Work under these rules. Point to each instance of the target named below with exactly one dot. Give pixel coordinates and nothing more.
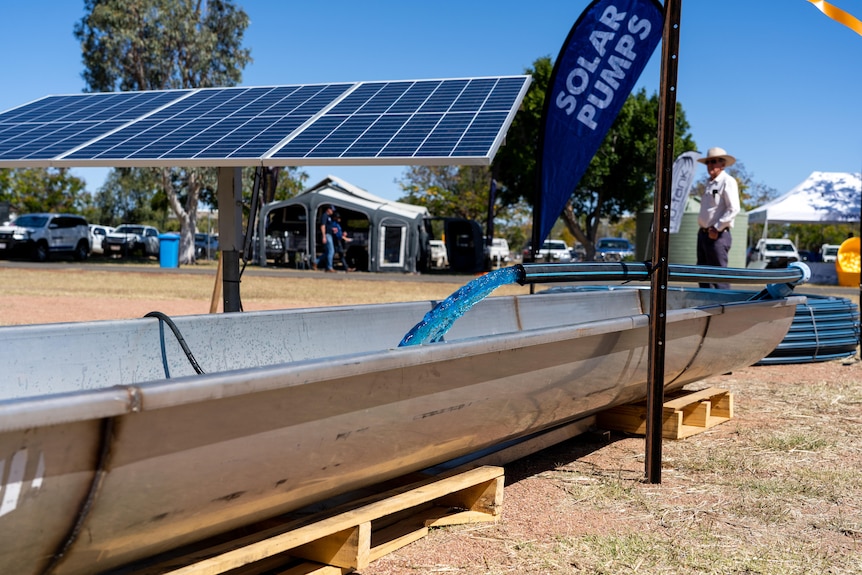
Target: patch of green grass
(697, 552)
(721, 461)
(793, 440)
(603, 491)
(762, 503)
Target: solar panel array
(446, 121)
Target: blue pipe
(824, 328)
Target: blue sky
(778, 85)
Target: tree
(127, 196)
(621, 177)
(448, 191)
(165, 44)
(42, 190)
(516, 162)
(462, 192)
(290, 183)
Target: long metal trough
(115, 449)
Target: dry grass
(53, 289)
(776, 490)
(284, 286)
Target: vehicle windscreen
(553, 246)
(779, 247)
(31, 221)
(129, 230)
(614, 244)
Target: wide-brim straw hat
(718, 153)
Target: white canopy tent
(823, 198)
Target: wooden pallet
(684, 413)
(351, 535)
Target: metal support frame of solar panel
(437, 122)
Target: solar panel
(444, 121)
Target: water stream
(437, 322)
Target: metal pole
(489, 224)
(230, 233)
(252, 213)
(661, 225)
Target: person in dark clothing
(325, 260)
(340, 241)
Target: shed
(386, 235)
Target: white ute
(773, 253)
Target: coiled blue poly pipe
(823, 329)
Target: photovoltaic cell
(47, 128)
(444, 119)
(420, 121)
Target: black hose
(106, 439)
(631, 271)
(163, 318)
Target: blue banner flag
(606, 51)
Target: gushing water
(437, 322)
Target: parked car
(498, 252)
(438, 253)
(97, 237)
(774, 253)
(130, 239)
(579, 253)
(829, 252)
(552, 251)
(206, 246)
(614, 250)
(38, 236)
(808, 256)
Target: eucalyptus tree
(448, 191)
(129, 195)
(165, 44)
(28, 190)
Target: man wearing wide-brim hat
(718, 208)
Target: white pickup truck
(773, 253)
(498, 252)
(829, 252)
(438, 254)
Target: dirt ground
(775, 490)
(19, 309)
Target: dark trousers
(713, 253)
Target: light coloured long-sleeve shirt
(719, 203)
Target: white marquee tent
(823, 198)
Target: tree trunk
(582, 236)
